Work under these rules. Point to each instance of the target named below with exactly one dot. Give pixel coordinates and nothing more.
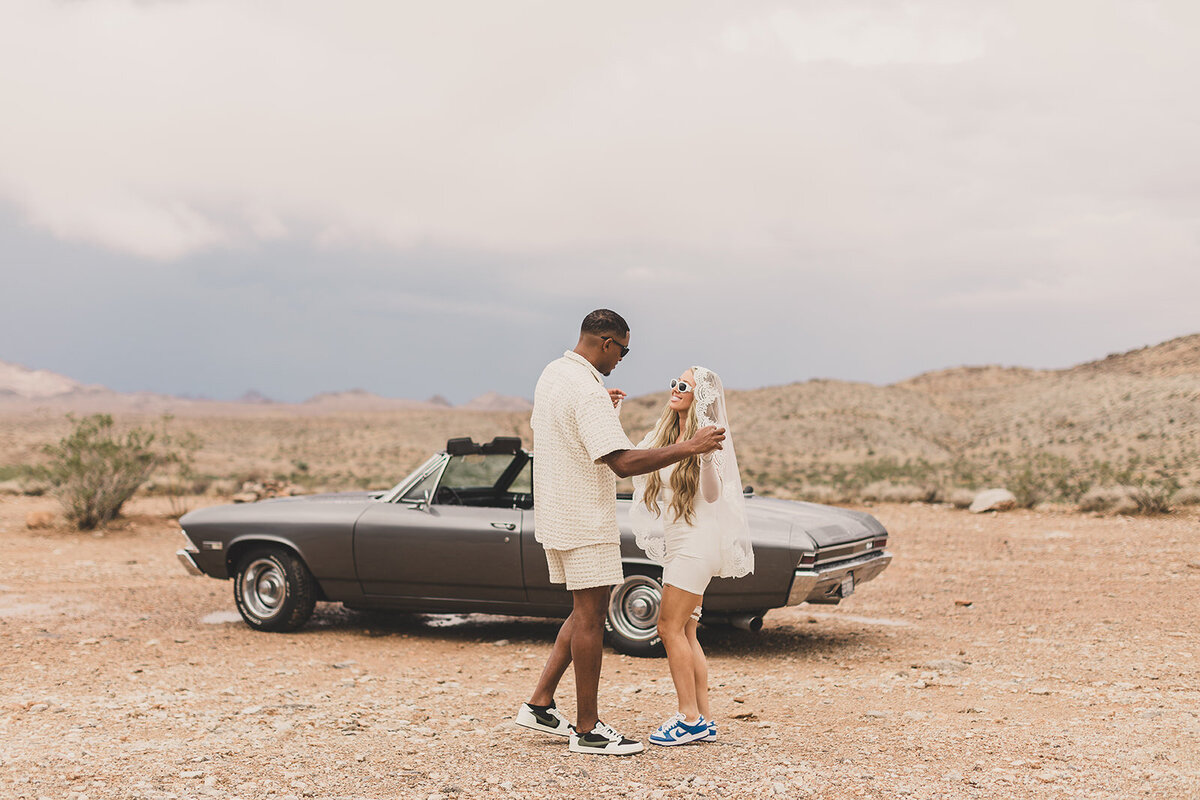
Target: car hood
(798, 524)
(826, 526)
(329, 497)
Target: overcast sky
(415, 198)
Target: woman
(691, 518)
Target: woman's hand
(616, 395)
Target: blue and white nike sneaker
(712, 731)
(675, 731)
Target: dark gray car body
(426, 546)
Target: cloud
(933, 154)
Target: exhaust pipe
(747, 622)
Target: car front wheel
(274, 590)
(632, 621)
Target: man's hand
(706, 440)
(616, 395)
(627, 463)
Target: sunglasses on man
(624, 349)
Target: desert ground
(1025, 654)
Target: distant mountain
(36, 384)
(255, 397)
(361, 400)
(492, 401)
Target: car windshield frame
(437, 461)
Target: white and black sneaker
(604, 741)
(546, 719)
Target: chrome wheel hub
(633, 608)
(264, 588)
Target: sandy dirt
(1028, 654)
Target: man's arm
(626, 463)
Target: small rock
(39, 519)
(1039, 690)
(946, 665)
(877, 714)
(500, 643)
(993, 500)
(914, 716)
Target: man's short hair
(603, 322)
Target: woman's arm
(710, 479)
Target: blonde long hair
(685, 480)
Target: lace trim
(705, 395)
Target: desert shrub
(222, 487)
(93, 471)
(818, 493)
(962, 498)
(1107, 498)
(179, 466)
(1152, 498)
(1028, 487)
(888, 492)
(1188, 496)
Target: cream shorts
(693, 559)
(586, 567)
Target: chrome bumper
(823, 584)
(188, 562)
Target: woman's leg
(673, 617)
(699, 668)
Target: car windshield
(491, 480)
(475, 471)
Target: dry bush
(1108, 498)
(1152, 499)
(829, 495)
(94, 472)
(962, 498)
(1187, 496)
(888, 492)
(222, 487)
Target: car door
(461, 546)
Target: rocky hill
(1125, 418)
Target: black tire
(631, 625)
(273, 589)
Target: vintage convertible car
(457, 536)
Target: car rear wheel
(274, 590)
(632, 621)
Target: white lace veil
(737, 556)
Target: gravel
(1072, 673)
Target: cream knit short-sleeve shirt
(574, 426)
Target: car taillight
(879, 542)
(808, 559)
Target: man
(579, 449)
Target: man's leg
(587, 651)
(556, 665)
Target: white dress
(693, 551)
(717, 542)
